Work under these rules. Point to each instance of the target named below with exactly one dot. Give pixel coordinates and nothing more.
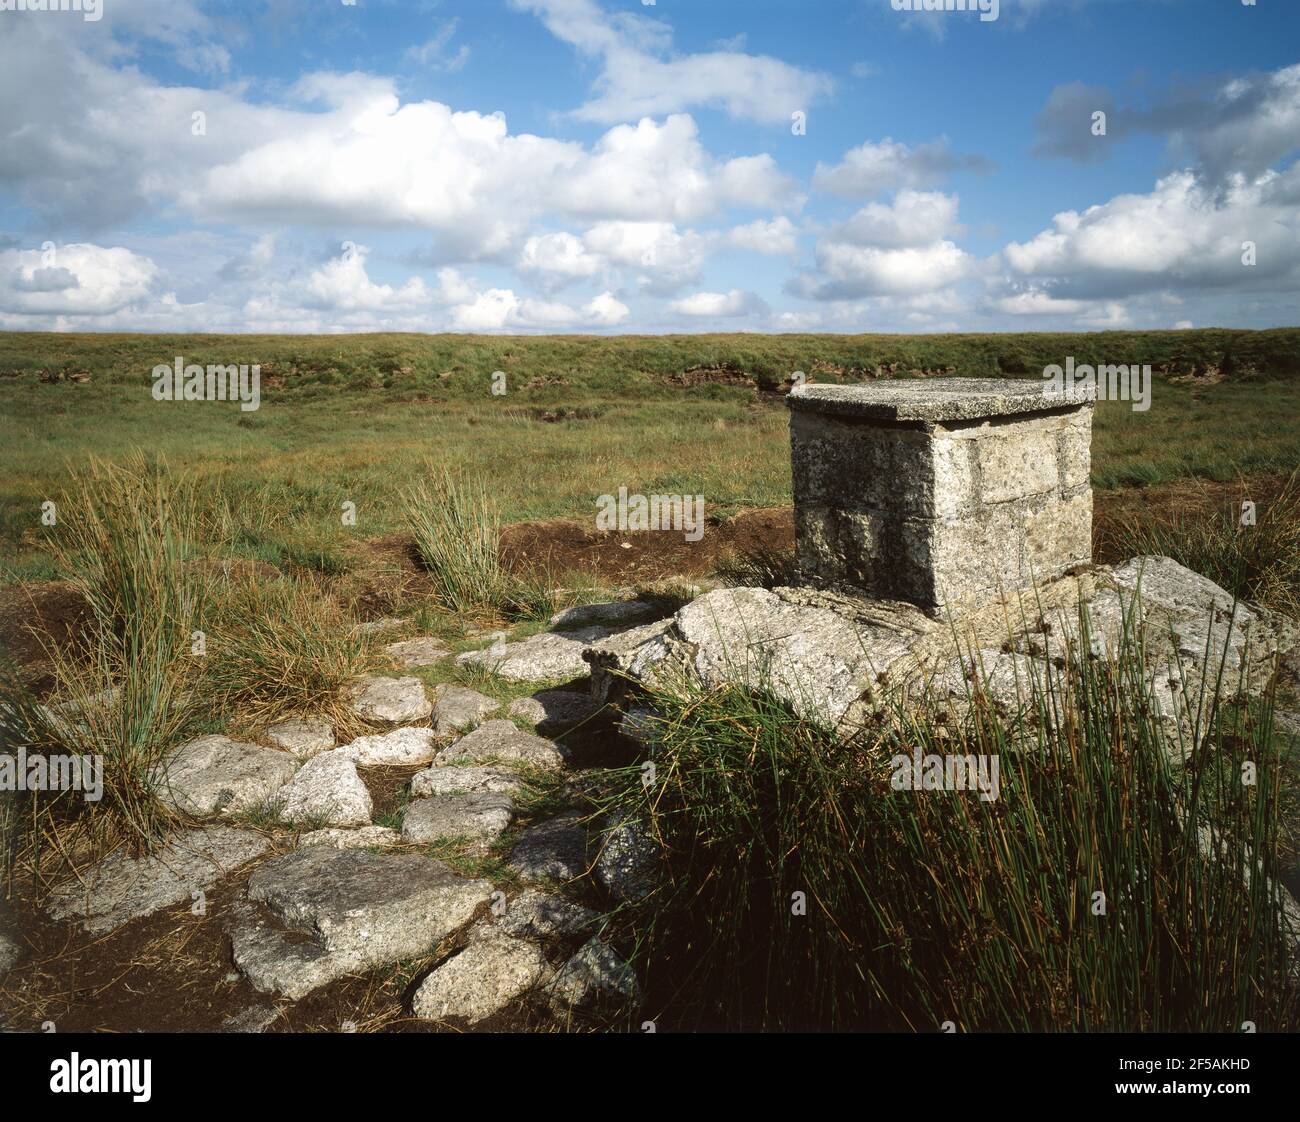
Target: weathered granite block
(942, 492)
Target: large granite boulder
(834, 655)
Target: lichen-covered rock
(10, 953)
(424, 651)
(1003, 679)
(326, 791)
(122, 888)
(503, 740)
(618, 613)
(546, 657)
(486, 977)
(807, 653)
(302, 738)
(317, 914)
(835, 656)
(555, 711)
(630, 862)
(392, 701)
(534, 914)
(596, 978)
(628, 655)
(554, 850)
(402, 746)
(642, 724)
(451, 780)
(364, 837)
(477, 817)
(456, 708)
(381, 626)
(217, 775)
(254, 1019)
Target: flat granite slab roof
(938, 399)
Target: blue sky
(614, 166)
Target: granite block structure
(941, 493)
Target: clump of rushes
(126, 690)
(925, 907)
(280, 648)
(457, 530)
(1259, 562)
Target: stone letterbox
(943, 492)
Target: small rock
(456, 708)
(618, 614)
(303, 738)
(393, 701)
(465, 780)
(326, 790)
(10, 953)
(120, 888)
(541, 915)
(502, 740)
(593, 978)
(367, 837)
(480, 817)
(256, 1018)
(548, 656)
(424, 651)
(217, 775)
(556, 850)
(630, 861)
(381, 626)
(401, 746)
(554, 711)
(482, 980)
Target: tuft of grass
(1259, 562)
(124, 539)
(278, 649)
(804, 891)
(759, 566)
(457, 530)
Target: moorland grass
(1255, 556)
(353, 419)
